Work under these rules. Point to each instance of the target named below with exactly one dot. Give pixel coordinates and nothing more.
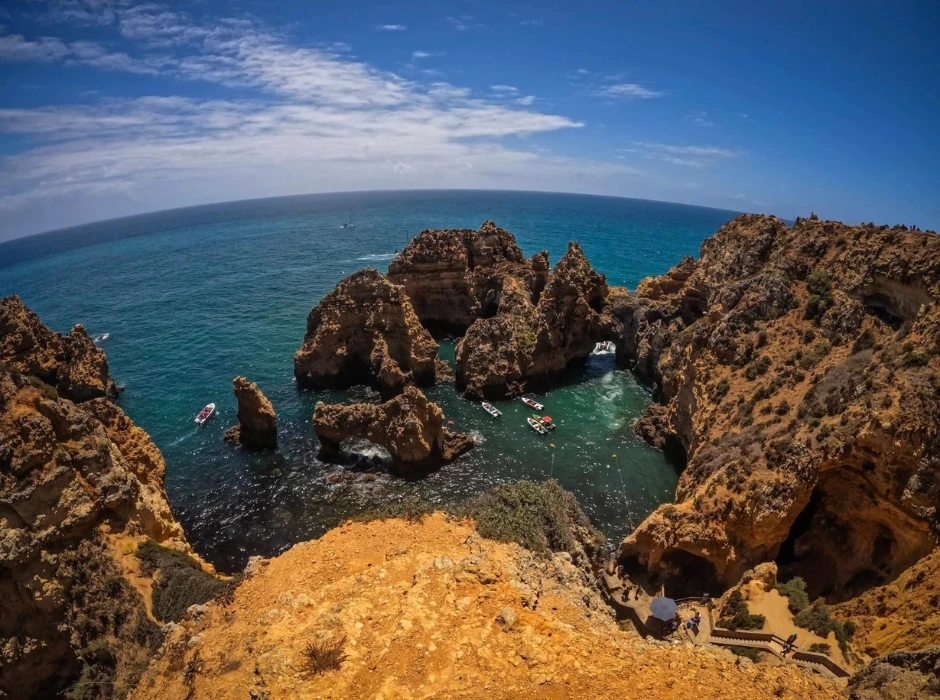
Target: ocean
(193, 297)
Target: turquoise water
(193, 297)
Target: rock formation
(525, 343)
(257, 421)
(77, 482)
(409, 426)
(798, 371)
(901, 675)
(72, 363)
(428, 608)
(365, 332)
(455, 276)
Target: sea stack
(365, 332)
(257, 420)
(409, 426)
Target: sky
(117, 107)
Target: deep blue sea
(193, 297)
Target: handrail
(767, 638)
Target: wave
(378, 256)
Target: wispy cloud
(503, 88)
(627, 91)
(690, 156)
(300, 118)
(391, 27)
(463, 22)
(701, 119)
(538, 22)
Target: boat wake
(378, 256)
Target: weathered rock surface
(72, 363)
(76, 479)
(799, 369)
(257, 420)
(525, 344)
(365, 332)
(455, 276)
(902, 675)
(409, 426)
(430, 609)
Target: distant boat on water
(349, 222)
(101, 338)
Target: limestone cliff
(409, 426)
(525, 344)
(365, 331)
(455, 276)
(257, 421)
(798, 371)
(76, 481)
(427, 608)
(72, 363)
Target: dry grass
(320, 657)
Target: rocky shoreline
(797, 378)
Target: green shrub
(818, 619)
(538, 517)
(761, 339)
(746, 652)
(820, 648)
(721, 390)
(795, 591)
(181, 582)
(914, 359)
(735, 615)
(820, 289)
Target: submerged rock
(409, 426)
(72, 363)
(797, 370)
(365, 332)
(257, 421)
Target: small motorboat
(532, 404)
(205, 414)
(491, 409)
(546, 421)
(537, 426)
(603, 347)
(101, 338)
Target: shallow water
(193, 297)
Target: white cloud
(14, 47)
(503, 88)
(463, 22)
(627, 91)
(526, 101)
(701, 119)
(392, 27)
(532, 22)
(691, 156)
(419, 54)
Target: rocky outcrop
(409, 426)
(798, 370)
(902, 675)
(78, 481)
(257, 421)
(455, 276)
(902, 614)
(526, 344)
(72, 363)
(428, 608)
(365, 332)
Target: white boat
(603, 347)
(536, 426)
(491, 409)
(205, 414)
(532, 404)
(349, 222)
(101, 338)
(545, 421)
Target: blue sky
(114, 107)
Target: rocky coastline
(796, 371)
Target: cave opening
(686, 575)
(882, 306)
(675, 453)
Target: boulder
(257, 421)
(365, 331)
(409, 426)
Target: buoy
(450, 422)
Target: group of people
(789, 644)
